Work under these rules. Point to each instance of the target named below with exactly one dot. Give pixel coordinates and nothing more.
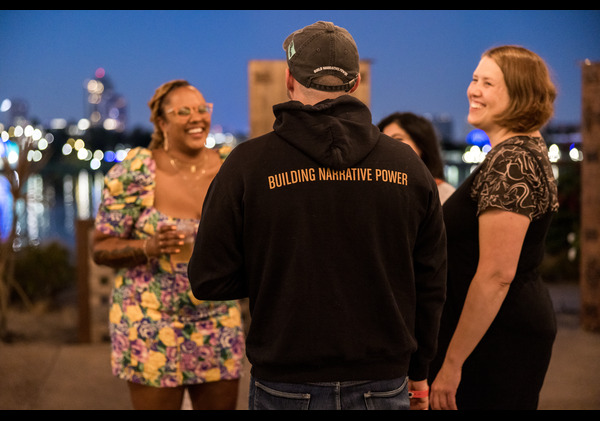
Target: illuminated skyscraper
(106, 107)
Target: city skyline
(422, 61)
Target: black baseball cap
(322, 49)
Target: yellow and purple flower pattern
(161, 335)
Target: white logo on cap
(291, 50)
(337, 69)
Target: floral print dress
(161, 335)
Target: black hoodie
(335, 232)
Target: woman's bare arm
(501, 236)
(119, 252)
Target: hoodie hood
(337, 133)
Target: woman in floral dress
(163, 339)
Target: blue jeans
(382, 394)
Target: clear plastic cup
(187, 228)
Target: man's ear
(289, 82)
(355, 85)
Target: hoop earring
(165, 142)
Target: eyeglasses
(185, 112)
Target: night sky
(422, 61)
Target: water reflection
(51, 207)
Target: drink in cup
(187, 228)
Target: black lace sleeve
(513, 179)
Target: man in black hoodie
(335, 233)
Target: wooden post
(82, 228)
(590, 198)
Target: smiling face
(185, 132)
(488, 96)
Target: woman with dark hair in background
(419, 133)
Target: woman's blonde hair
(157, 112)
(529, 85)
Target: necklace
(196, 169)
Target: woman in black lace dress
(498, 324)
